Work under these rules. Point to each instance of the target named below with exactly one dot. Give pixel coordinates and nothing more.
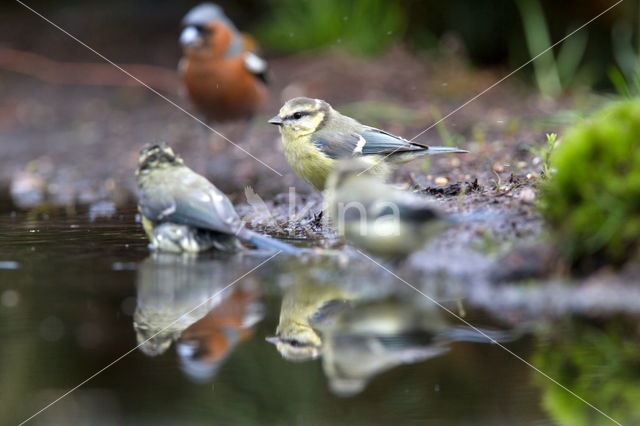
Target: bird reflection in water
(181, 299)
(360, 331)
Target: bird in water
(171, 193)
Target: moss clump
(601, 363)
(592, 201)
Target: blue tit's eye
(297, 115)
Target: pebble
(441, 181)
(528, 195)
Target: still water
(249, 339)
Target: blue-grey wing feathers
(203, 210)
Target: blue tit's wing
(338, 145)
(370, 141)
(256, 66)
(379, 142)
(329, 309)
(200, 207)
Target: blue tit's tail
(468, 334)
(431, 150)
(267, 243)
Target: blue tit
(168, 289)
(378, 217)
(305, 305)
(314, 136)
(373, 337)
(170, 192)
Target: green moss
(592, 201)
(600, 363)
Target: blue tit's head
(302, 116)
(157, 156)
(297, 343)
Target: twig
(85, 73)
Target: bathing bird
(172, 193)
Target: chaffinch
(223, 76)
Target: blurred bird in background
(377, 217)
(170, 192)
(222, 74)
(314, 136)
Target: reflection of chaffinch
(170, 192)
(378, 217)
(314, 136)
(223, 76)
(204, 346)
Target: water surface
(78, 294)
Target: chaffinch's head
(302, 116)
(211, 38)
(156, 156)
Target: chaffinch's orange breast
(223, 89)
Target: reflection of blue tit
(167, 288)
(374, 337)
(377, 217)
(314, 136)
(170, 192)
(305, 305)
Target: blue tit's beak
(273, 339)
(277, 120)
(190, 36)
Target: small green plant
(448, 139)
(364, 27)
(544, 153)
(625, 77)
(591, 201)
(553, 73)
